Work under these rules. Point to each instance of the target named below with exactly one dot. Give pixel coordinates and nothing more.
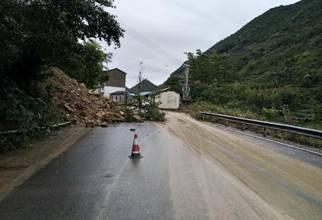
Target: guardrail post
(264, 132)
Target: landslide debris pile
(77, 103)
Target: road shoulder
(16, 167)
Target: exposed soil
(77, 103)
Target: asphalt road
(190, 170)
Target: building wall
(116, 78)
(168, 100)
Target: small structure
(116, 82)
(168, 99)
(119, 97)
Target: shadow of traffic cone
(135, 148)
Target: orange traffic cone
(135, 148)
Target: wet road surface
(190, 170)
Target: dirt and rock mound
(78, 103)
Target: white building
(168, 99)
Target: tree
(174, 83)
(87, 65)
(40, 33)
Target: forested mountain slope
(270, 69)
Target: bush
(152, 112)
(128, 115)
(270, 113)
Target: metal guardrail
(21, 131)
(271, 125)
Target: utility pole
(186, 88)
(139, 89)
(140, 80)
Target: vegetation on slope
(38, 34)
(270, 69)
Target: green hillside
(270, 69)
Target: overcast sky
(158, 32)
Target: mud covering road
(286, 180)
(190, 170)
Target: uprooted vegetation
(149, 110)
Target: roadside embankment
(18, 166)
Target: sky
(159, 32)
